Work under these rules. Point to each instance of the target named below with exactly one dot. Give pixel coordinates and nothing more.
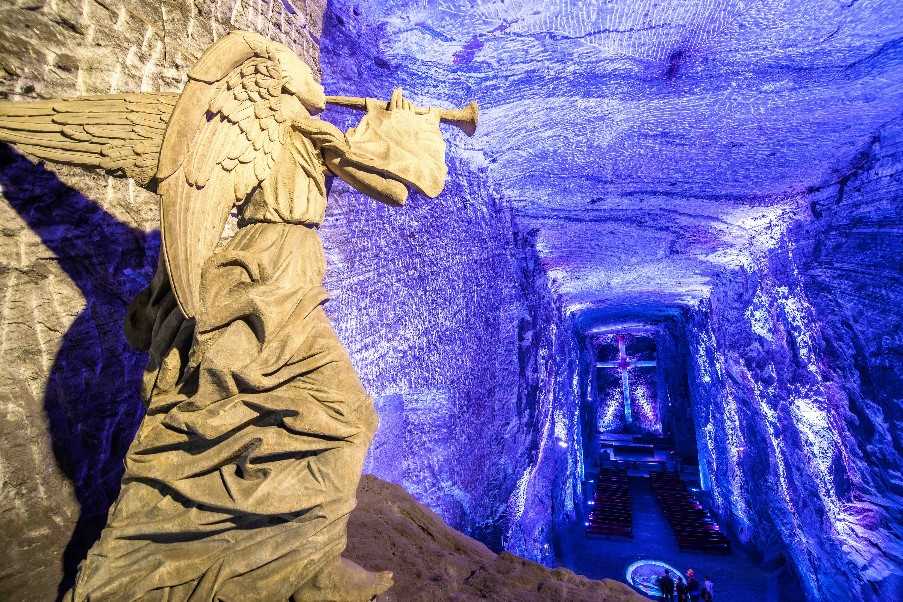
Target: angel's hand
(323, 135)
(398, 102)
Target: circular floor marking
(644, 575)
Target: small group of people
(675, 589)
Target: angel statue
(240, 480)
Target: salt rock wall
(424, 299)
(672, 369)
(797, 379)
(75, 247)
(553, 382)
(449, 321)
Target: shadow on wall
(91, 400)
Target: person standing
(666, 586)
(680, 588)
(693, 586)
(708, 590)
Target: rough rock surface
(423, 298)
(797, 385)
(653, 144)
(646, 155)
(74, 249)
(390, 531)
(449, 319)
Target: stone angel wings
(204, 150)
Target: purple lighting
(679, 224)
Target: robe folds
(241, 478)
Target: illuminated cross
(624, 364)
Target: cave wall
(424, 299)
(796, 385)
(554, 379)
(448, 318)
(673, 372)
(75, 247)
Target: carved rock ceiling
(653, 144)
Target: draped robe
(241, 478)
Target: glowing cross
(624, 364)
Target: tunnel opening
(646, 501)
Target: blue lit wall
(796, 385)
(448, 317)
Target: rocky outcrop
(390, 531)
(74, 249)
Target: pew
(612, 506)
(693, 525)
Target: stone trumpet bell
(464, 118)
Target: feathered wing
(120, 133)
(223, 140)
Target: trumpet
(464, 118)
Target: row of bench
(692, 524)
(612, 507)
